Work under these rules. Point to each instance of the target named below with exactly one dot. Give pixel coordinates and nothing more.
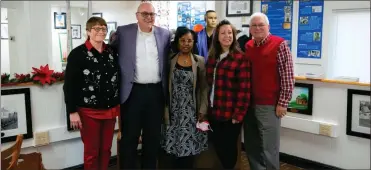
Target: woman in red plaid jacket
(228, 76)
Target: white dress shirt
(147, 60)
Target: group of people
(179, 95)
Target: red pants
(97, 135)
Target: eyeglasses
(258, 26)
(97, 29)
(185, 41)
(146, 14)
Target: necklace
(185, 61)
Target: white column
(90, 9)
(69, 33)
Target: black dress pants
(143, 110)
(224, 137)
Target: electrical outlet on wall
(41, 138)
(325, 129)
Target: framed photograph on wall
(239, 8)
(111, 26)
(358, 113)
(60, 20)
(302, 99)
(76, 31)
(15, 114)
(97, 14)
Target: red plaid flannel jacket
(232, 86)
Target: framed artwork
(60, 20)
(111, 26)
(76, 31)
(358, 113)
(239, 8)
(97, 15)
(63, 42)
(15, 114)
(302, 99)
(4, 31)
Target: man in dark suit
(143, 56)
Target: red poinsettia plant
(43, 75)
(23, 78)
(59, 76)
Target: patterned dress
(182, 138)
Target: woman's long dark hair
(181, 31)
(216, 48)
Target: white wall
(17, 20)
(122, 12)
(4, 45)
(329, 105)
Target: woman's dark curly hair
(180, 32)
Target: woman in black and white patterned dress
(188, 102)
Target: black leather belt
(147, 84)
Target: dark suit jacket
(125, 43)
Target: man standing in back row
(205, 36)
(143, 57)
(272, 85)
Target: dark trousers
(224, 137)
(185, 162)
(143, 110)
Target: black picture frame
(28, 117)
(78, 27)
(299, 99)
(229, 14)
(63, 24)
(349, 130)
(97, 14)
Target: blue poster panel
(198, 11)
(310, 29)
(184, 14)
(279, 13)
(191, 13)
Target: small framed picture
(97, 14)
(239, 8)
(358, 113)
(76, 31)
(60, 20)
(15, 114)
(302, 99)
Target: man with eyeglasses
(143, 57)
(272, 84)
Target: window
(351, 57)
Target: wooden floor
(245, 163)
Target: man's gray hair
(259, 15)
